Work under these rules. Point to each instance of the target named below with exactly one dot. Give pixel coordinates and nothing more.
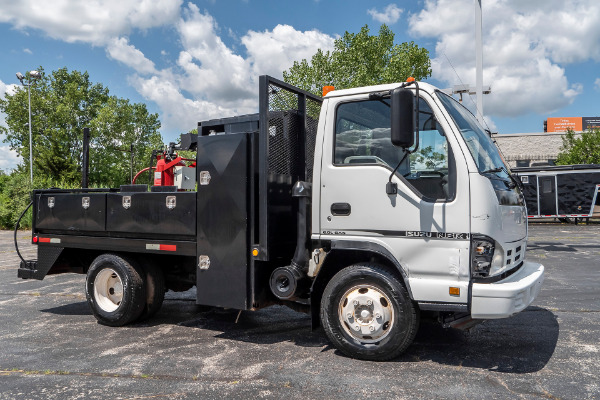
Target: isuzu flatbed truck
(363, 208)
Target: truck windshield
(480, 145)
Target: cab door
(426, 224)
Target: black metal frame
(265, 82)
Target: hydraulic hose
(139, 173)
(16, 229)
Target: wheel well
(73, 260)
(338, 259)
(179, 270)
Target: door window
(362, 136)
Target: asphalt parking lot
(52, 348)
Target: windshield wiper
(511, 183)
(493, 170)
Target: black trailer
(226, 238)
(565, 191)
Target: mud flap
(47, 256)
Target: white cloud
(597, 84)
(180, 114)
(120, 50)
(272, 52)
(211, 68)
(28, 51)
(526, 45)
(10, 88)
(209, 79)
(390, 14)
(214, 81)
(8, 159)
(95, 21)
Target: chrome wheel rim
(366, 313)
(108, 290)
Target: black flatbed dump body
(110, 220)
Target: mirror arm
(392, 187)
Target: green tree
(428, 157)
(63, 103)
(119, 128)
(580, 150)
(15, 195)
(359, 59)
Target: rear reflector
(161, 247)
(46, 240)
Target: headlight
(487, 257)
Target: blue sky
(194, 60)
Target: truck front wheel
(115, 290)
(367, 313)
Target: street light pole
(30, 140)
(20, 77)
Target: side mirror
(403, 118)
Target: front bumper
(505, 298)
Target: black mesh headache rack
(288, 130)
(265, 154)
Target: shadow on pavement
(80, 308)
(560, 247)
(520, 344)
(523, 343)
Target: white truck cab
(454, 223)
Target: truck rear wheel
(115, 290)
(367, 313)
(155, 290)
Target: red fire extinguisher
(164, 174)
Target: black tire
(115, 290)
(378, 331)
(155, 290)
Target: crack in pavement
(160, 377)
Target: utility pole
(478, 62)
(30, 135)
(33, 75)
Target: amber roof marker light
(327, 89)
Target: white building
(530, 149)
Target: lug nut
(349, 315)
(355, 302)
(377, 315)
(369, 302)
(371, 328)
(357, 328)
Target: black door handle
(341, 209)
